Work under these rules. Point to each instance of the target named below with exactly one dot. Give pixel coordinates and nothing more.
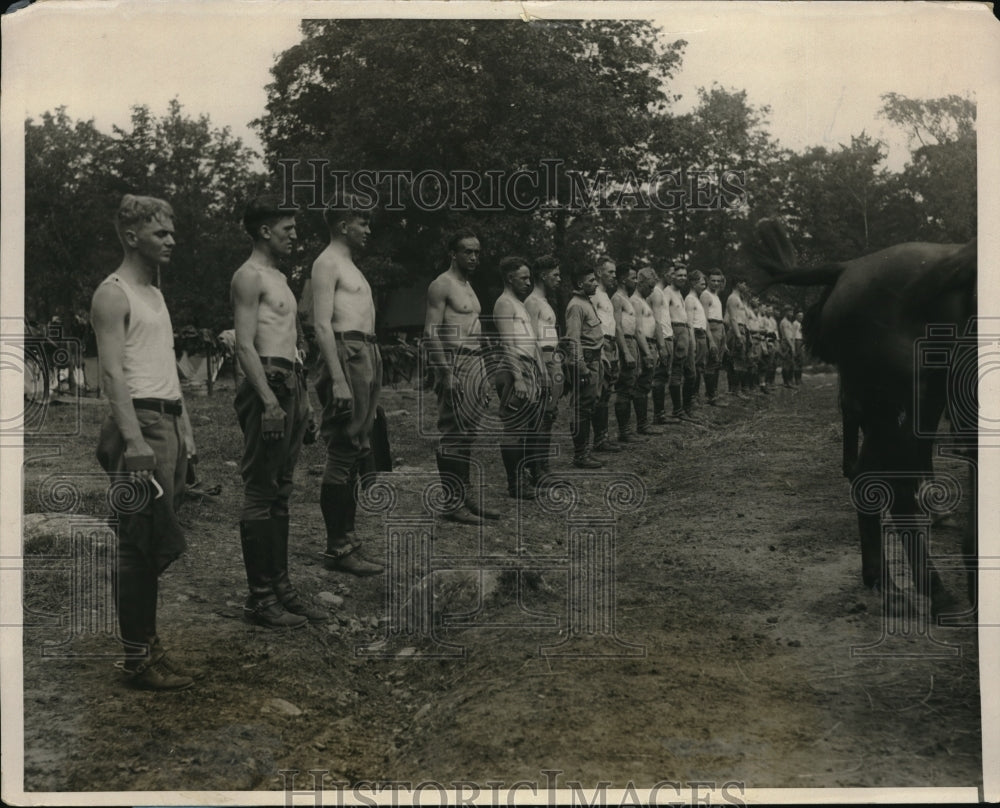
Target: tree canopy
(461, 100)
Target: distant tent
(194, 370)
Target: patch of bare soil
(741, 645)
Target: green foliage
(75, 177)
(468, 95)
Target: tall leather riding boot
(512, 455)
(581, 453)
(687, 395)
(675, 400)
(454, 473)
(711, 386)
(463, 466)
(623, 409)
(659, 403)
(262, 607)
(543, 448)
(288, 595)
(337, 503)
(642, 425)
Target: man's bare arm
(616, 308)
(108, 311)
(245, 295)
(656, 304)
(437, 301)
(324, 285)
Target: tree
(75, 177)
(941, 176)
(68, 202)
(475, 96)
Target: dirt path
(738, 580)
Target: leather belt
(166, 406)
(280, 362)
(711, 320)
(356, 336)
(590, 354)
(548, 348)
(699, 331)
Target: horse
(875, 316)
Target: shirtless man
(738, 339)
(584, 346)
(799, 347)
(650, 341)
(717, 332)
(519, 379)
(770, 326)
(543, 322)
(757, 354)
(786, 347)
(452, 336)
(704, 342)
(273, 410)
(665, 345)
(614, 347)
(349, 379)
(682, 373)
(634, 361)
(147, 434)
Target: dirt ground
(737, 601)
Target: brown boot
(151, 674)
(347, 558)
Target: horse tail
(771, 249)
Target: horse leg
(851, 425)
(870, 525)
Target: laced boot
(172, 664)
(262, 606)
(136, 589)
(288, 595)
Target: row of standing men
(625, 333)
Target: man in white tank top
(272, 407)
(147, 437)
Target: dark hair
(580, 271)
(458, 236)
(602, 260)
(544, 264)
(263, 210)
(718, 272)
(622, 271)
(342, 208)
(695, 275)
(510, 265)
